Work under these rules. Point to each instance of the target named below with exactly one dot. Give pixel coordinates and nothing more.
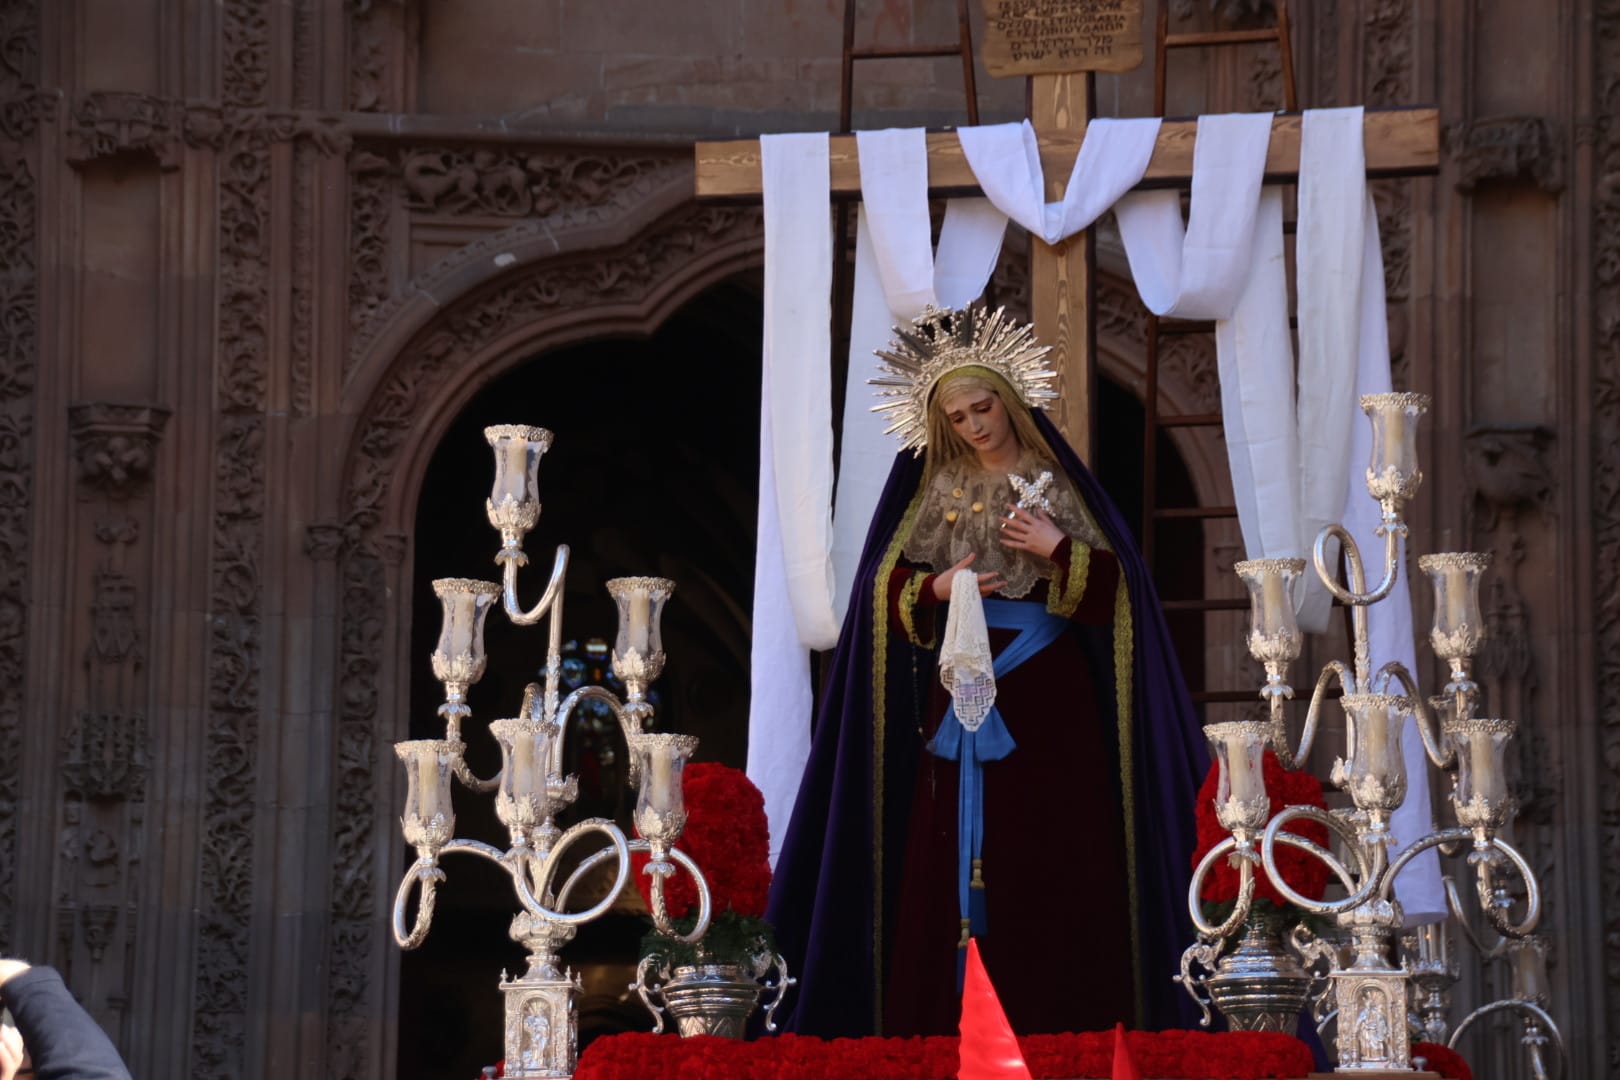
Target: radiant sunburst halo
(941, 341)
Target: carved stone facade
(270, 269)
(1602, 164)
(19, 352)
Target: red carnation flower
(1304, 873)
(726, 836)
(1443, 1060)
(1239, 1055)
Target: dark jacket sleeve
(61, 1038)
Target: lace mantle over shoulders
(948, 526)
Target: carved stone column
(1512, 498)
(105, 752)
(19, 346)
(1511, 483)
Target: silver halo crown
(939, 342)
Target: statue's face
(980, 418)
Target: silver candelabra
(1434, 970)
(532, 788)
(1370, 992)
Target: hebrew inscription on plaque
(1036, 37)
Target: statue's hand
(988, 583)
(1036, 533)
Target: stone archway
(471, 317)
(416, 359)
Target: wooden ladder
(962, 48)
(843, 283)
(1159, 329)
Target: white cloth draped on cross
(1290, 454)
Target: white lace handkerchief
(965, 663)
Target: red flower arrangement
(1244, 1055)
(1304, 874)
(1443, 1060)
(726, 836)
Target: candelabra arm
(1458, 912)
(600, 857)
(661, 920)
(553, 860)
(1484, 862)
(660, 914)
(1357, 595)
(552, 595)
(1334, 669)
(1442, 755)
(470, 779)
(1367, 874)
(1538, 1068)
(594, 693)
(426, 873)
(584, 868)
(474, 847)
(1311, 847)
(1245, 897)
(1537, 1015)
(1440, 838)
(1497, 915)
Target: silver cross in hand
(1032, 495)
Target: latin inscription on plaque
(1042, 37)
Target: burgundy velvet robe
(1063, 773)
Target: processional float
(1377, 994)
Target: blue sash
(1037, 628)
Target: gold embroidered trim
(1063, 597)
(908, 609)
(1124, 668)
(880, 681)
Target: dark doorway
(1178, 565)
(653, 470)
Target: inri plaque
(1043, 37)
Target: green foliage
(1217, 912)
(731, 939)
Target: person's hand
(9, 969)
(1036, 533)
(12, 1054)
(988, 583)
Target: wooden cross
(1399, 142)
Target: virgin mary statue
(1057, 827)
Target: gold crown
(939, 342)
